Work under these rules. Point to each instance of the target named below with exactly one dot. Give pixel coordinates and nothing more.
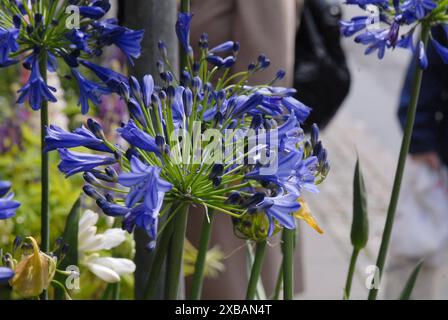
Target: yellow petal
(33, 273)
(304, 213)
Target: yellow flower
(33, 273)
(213, 260)
(304, 213)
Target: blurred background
(367, 123)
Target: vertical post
(158, 19)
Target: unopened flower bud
(185, 78)
(163, 50)
(217, 170)
(203, 41)
(160, 66)
(314, 134)
(91, 192)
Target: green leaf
(70, 237)
(407, 291)
(360, 224)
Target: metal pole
(157, 18)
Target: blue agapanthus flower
(5, 274)
(88, 91)
(280, 208)
(57, 138)
(202, 141)
(40, 35)
(183, 30)
(395, 26)
(8, 206)
(74, 162)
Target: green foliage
(409, 287)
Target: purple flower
(36, 90)
(349, 28)
(129, 41)
(223, 47)
(88, 90)
(57, 138)
(75, 162)
(92, 12)
(137, 138)
(80, 39)
(419, 7)
(281, 209)
(5, 274)
(8, 206)
(441, 50)
(183, 30)
(422, 57)
(144, 218)
(8, 44)
(112, 79)
(145, 183)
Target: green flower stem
(160, 254)
(116, 291)
(256, 270)
(45, 214)
(198, 276)
(278, 284)
(175, 255)
(288, 238)
(416, 86)
(45, 188)
(351, 271)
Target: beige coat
(261, 26)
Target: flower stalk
(288, 238)
(157, 264)
(45, 179)
(199, 268)
(256, 270)
(175, 255)
(351, 272)
(416, 86)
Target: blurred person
(262, 27)
(421, 227)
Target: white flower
(90, 242)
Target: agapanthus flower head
(40, 35)
(393, 25)
(8, 206)
(214, 143)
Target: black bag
(321, 75)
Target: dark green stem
(157, 264)
(175, 255)
(45, 187)
(288, 238)
(116, 288)
(351, 271)
(278, 285)
(410, 118)
(198, 276)
(256, 270)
